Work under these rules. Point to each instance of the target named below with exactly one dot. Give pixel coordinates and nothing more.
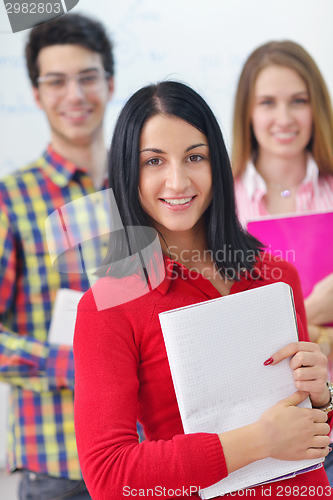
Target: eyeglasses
(89, 83)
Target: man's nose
(74, 90)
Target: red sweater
(122, 375)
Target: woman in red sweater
(169, 170)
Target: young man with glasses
(70, 65)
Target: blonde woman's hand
(319, 304)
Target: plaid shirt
(41, 426)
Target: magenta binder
(304, 240)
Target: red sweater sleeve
(106, 391)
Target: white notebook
(216, 351)
(64, 316)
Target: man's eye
(59, 82)
(88, 80)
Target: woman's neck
(286, 172)
(191, 250)
(283, 177)
(185, 248)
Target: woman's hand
(319, 304)
(323, 336)
(309, 367)
(284, 431)
(293, 433)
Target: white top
(315, 193)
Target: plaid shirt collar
(57, 168)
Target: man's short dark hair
(74, 29)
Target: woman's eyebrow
(153, 150)
(159, 151)
(272, 96)
(195, 146)
(301, 92)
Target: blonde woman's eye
(266, 102)
(301, 100)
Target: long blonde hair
(293, 56)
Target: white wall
(4, 390)
(202, 43)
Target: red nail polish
(269, 361)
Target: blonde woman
(282, 156)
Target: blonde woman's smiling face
(175, 185)
(282, 113)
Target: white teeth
(76, 114)
(285, 135)
(180, 201)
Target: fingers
(321, 439)
(312, 453)
(315, 386)
(295, 433)
(309, 358)
(310, 373)
(309, 367)
(295, 399)
(320, 417)
(322, 431)
(290, 350)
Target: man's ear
(111, 88)
(35, 91)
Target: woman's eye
(300, 100)
(154, 162)
(267, 102)
(195, 158)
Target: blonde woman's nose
(284, 114)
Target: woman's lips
(176, 204)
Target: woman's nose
(284, 115)
(177, 178)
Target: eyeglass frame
(43, 79)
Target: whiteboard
(201, 43)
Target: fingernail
(268, 361)
(330, 449)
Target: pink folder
(304, 240)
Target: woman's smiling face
(175, 185)
(282, 114)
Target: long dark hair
(224, 232)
